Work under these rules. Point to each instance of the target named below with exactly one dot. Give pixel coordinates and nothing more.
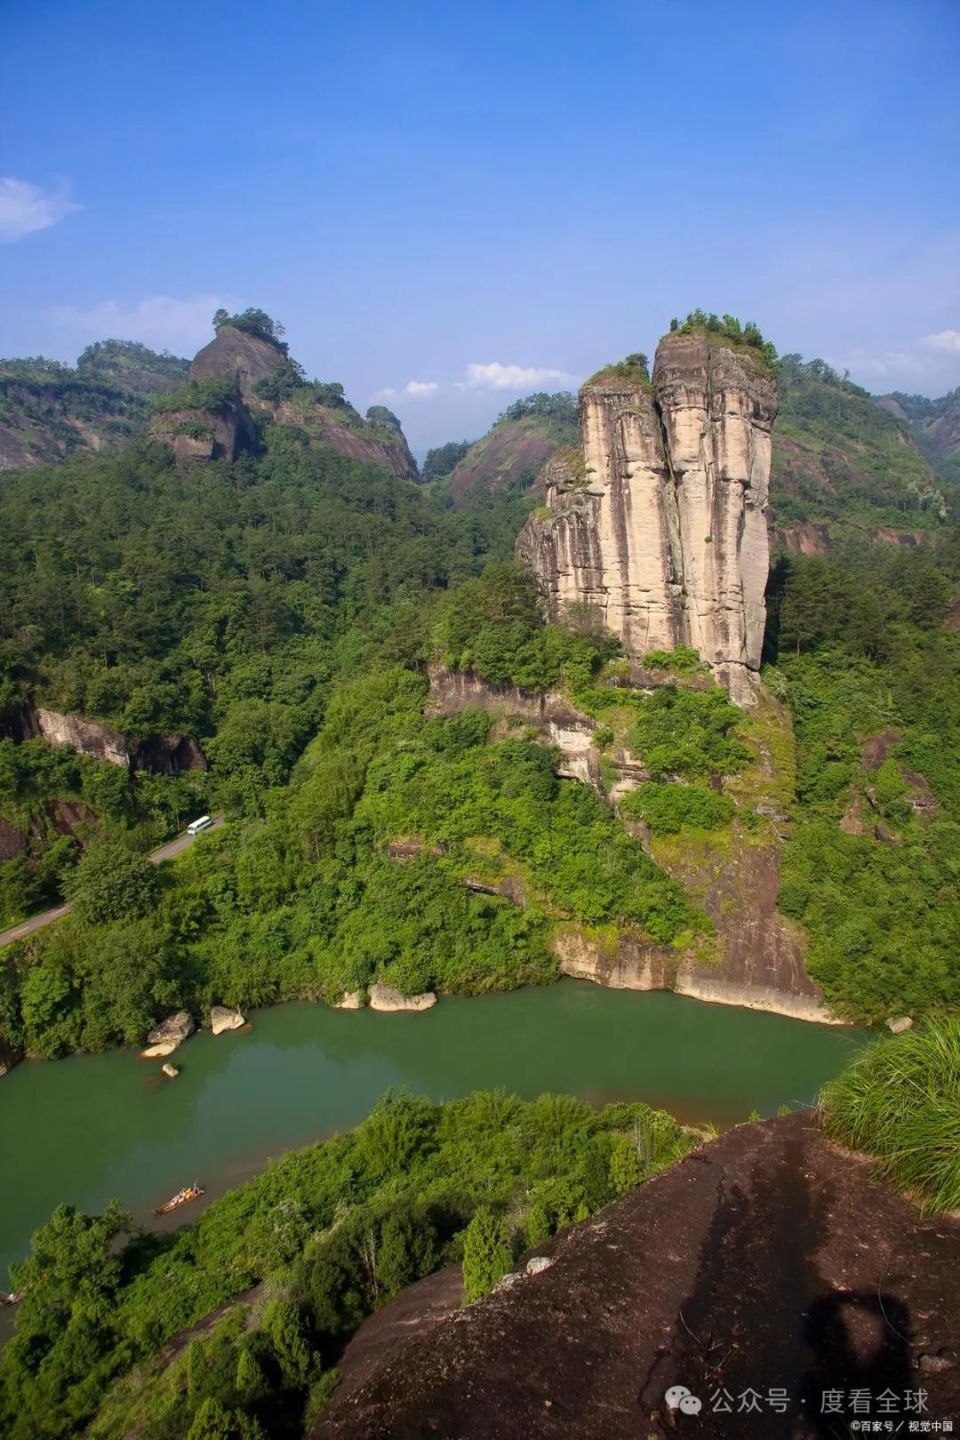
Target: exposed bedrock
(765, 1262)
(658, 523)
(160, 754)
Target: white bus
(196, 826)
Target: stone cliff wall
(658, 523)
(551, 714)
(160, 754)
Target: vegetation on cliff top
(900, 1101)
(727, 330)
(328, 1235)
(253, 321)
(632, 371)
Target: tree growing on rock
(486, 1254)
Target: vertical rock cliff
(657, 522)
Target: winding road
(37, 922)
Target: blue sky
(450, 206)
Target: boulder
(384, 997)
(899, 1023)
(168, 1035)
(222, 1019)
(350, 1000)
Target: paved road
(37, 922)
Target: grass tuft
(900, 1101)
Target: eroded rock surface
(386, 998)
(558, 722)
(658, 523)
(160, 754)
(168, 1035)
(767, 1260)
(235, 352)
(223, 1019)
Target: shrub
(667, 808)
(688, 732)
(900, 1102)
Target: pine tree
(486, 1254)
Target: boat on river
(12, 1299)
(182, 1197)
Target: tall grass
(900, 1101)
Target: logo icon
(679, 1397)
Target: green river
(91, 1127)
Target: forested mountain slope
(50, 411)
(844, 466)
(285, 611)
(934, 424)
(512, 453)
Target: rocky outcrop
(235, 352)
(755, 957)
(160, 754)
(754, 960)
(385, 998)
(558, 722)
(657, 523)
(223, 1019)
(371, 441)
(376, 440)
(766, 1261)
(220, 433)
(168, 1035)
(349, 1000)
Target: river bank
(91, 1127)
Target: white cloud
(882, 364)
(25, 207)
(494, 376)
(948, 340)
(161, 320)
(413, 390)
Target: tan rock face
(223, 1019)
(384, 997)
(659, 525)
(160, 754)
(235, 352)
(168, 1035)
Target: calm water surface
(91, 1127)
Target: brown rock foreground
(766, 1262)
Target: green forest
(299, 1257)
(284, 611)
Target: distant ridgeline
(49, 411)
(934, 424)
(845, 464)
(214, 408)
